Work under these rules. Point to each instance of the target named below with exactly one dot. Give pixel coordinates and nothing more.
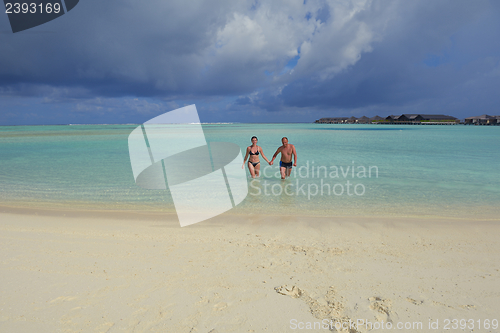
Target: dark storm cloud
(156, 48)
(115, 48)
(247, 56)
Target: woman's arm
(246, 155)
(263, 156)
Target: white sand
(234, 274)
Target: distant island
(413, 119)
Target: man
(287, 150)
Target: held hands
(271, 162)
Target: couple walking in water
(286, 150)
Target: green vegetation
(438, 121)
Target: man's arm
(275, 154)
(294, 152)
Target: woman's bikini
(251, 153)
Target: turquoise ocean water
(447, 171)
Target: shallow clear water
(450, 171)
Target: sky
(252, 61)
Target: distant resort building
(413, 119)
(351, 120)
(338, 120)
(409, 119)
(363, 120)
(437, 119)
(482, 120)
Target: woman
(253, 160)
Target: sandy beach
(246, 274)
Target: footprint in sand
(382, 308)
(220, 306)
(293, 292)
(327, 307)
(414, 301)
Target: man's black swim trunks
(286, 165)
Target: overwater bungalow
(482, 120)
(351, 120)
(417, 119)
(363, 120)
(376, 119)
(409, 119)
(397, 119)
(436, 118)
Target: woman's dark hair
(254, 137)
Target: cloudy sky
(252, 61)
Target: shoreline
(136, 214)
